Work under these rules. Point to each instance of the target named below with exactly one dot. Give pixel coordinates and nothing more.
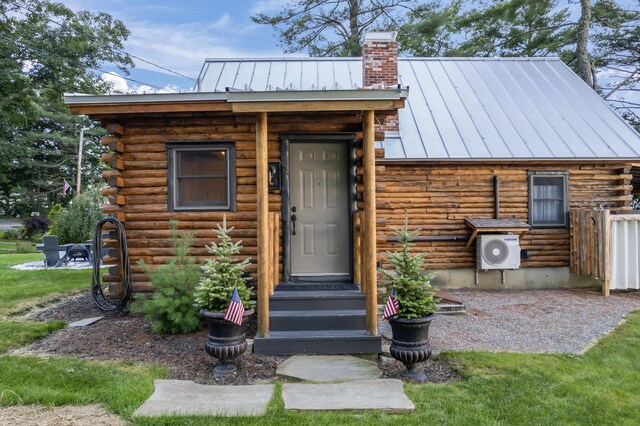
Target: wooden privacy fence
(606, 247)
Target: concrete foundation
(525, 278)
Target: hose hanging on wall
(106, 306)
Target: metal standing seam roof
(461, 108)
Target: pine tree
(171, 308)
(222, 274)
(416, 295)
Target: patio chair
(50, 249)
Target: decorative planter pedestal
(226, 340)
(410, 344)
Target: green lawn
(16, 246)
(20, 289)
(601, 386)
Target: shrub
(416, 295)
(222, 274)
(9, 234)
(76, 222)
(23, 247)
(171, 307)
(34, 225)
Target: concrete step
(354, 319)
(319, 342)
(451, 309)
(317, 300)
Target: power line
(93, 37)
(33, 48)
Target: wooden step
(319, 342)
(317, 300)
(325, 319)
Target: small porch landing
(316, 319)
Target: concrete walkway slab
(381, 394)
(85, 322)
(181, 397)
(329, 368)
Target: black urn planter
(410, 343)
(226, 340)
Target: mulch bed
(130, 338)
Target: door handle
(293, 224)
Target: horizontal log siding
(137, 190)
(438, 198)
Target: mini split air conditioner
(498, 252)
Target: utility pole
(79, 176)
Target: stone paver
(85, 322)
(180, 397)
(381, 394)
(329, 368)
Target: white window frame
(532, 175)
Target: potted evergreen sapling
(411, 304)
(222, 296)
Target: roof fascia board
(318, 95)
(81, 99)
(267, 96)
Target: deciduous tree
(47, 49)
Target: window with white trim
(548, 199)
(201, 176)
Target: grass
(120, 387)
(22, 289)
(16, 246)
(14, 334)
(601, 386)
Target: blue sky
(179, 35)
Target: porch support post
(263, 223)
(369, 236)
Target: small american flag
(235, 310)
(66, 187)
(392, 306)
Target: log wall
(137, 190)
(438, 198)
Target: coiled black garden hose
(106, 306)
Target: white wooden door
(319, 191)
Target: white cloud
(120, 85)
(117, 83)
(183, 47)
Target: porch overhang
(238, 102)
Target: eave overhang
(239, 101)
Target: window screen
(548, 201)
(202, 177)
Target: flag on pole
(66, 187)
(235, 310)
(392, 306)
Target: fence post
(606, 235)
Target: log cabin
(315, 161)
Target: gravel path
(531, 321)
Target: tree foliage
(415, 294)
(171, 308)
(76, 222)
(332, 27)
(617, 48)
(222, 274)
(47, 49)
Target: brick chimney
(380, 68)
